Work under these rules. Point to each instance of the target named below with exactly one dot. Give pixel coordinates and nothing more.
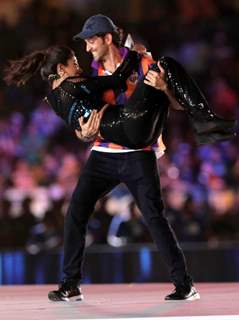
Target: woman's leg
(207, 125)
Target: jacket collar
(123, 52)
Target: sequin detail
(70, 108)
(123, 116)
(186, 91)
(208, 126)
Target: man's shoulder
(147, 58)
(146, 61)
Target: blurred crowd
(41, 159)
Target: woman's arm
(97, 85)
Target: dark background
(41, 159)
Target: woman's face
(71, 68)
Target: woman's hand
(90, 129)
(157, 80)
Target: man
(110, 164)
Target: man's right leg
(95, 181)
(142, 179)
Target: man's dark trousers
(102, 172)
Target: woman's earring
(53, 76)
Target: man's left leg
(143, 182)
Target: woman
(136, 124)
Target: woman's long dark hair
(19, 72)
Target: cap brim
(83, 35)
(76, 38)
(90, 33)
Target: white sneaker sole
(193, 297)
(80, 297)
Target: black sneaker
(66, 292)
(182, 293)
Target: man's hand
(157, 80)
(90, 129)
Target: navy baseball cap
(96, 25)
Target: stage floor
(124, 301)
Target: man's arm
(158, 81)
(90, 129)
